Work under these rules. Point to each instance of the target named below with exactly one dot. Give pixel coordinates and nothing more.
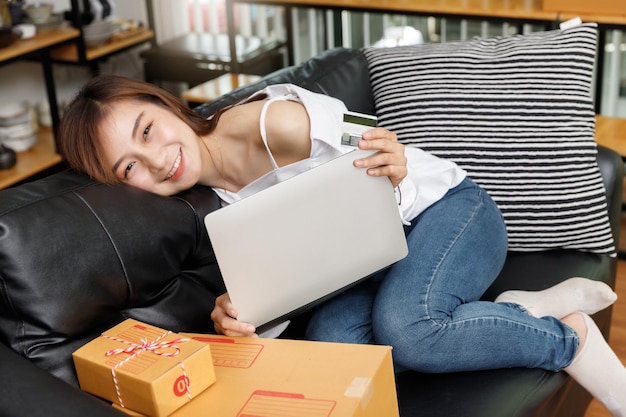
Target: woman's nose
(157, 158)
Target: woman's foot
(570, 296)
(596, 367)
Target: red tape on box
(167, 348)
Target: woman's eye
(146, 131)
(128, 168)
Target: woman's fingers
(390, 161)
(224, 316)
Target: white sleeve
(429, 178)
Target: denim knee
(416, 346)
(345, 318)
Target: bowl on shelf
(8, 35)
(92, 41)
(28, 30)
(98, 27)
(15, 113)
(53, 22)
(98, 33)
(20, 144)
(18, 130)
(38, 12)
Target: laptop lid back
(292, 245)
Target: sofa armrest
(30, 391)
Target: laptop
(293, 245)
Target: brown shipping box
(144, 368)
(596, 7)
(277, 377)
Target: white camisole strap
(262, 123)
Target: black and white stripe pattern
(517, 114)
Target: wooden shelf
(55, 44)
(42, 40)
(502, 9)
(32, 161)
(69, 53)
(595, 17)
(217, 87)
(517, 9)
(43, 155)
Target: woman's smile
(177, 168)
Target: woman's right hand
(390, 161)
(224, 316)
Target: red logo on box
(180, 386)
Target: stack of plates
(17, 127)
(98, 33)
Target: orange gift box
(144, 368)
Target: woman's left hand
(390, 161)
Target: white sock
(567, 297)
(599, 371)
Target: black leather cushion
(339, 72)
(77, 257)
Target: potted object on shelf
(16, 8)
(5, 14)
(8, 35)
(8, 158)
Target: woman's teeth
(175, 167)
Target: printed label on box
(270, 403)
(231, 354)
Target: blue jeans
(427, 305)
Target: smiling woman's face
(149, 147)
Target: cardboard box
(277, 377)
(144, 368)
(596, 7)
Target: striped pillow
(516, 113)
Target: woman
(427, 305)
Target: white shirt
(428, 178)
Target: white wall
(170, 19)
(23, 81)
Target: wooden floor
(617, 339)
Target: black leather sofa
(77, 257)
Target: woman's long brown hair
(79, 134)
